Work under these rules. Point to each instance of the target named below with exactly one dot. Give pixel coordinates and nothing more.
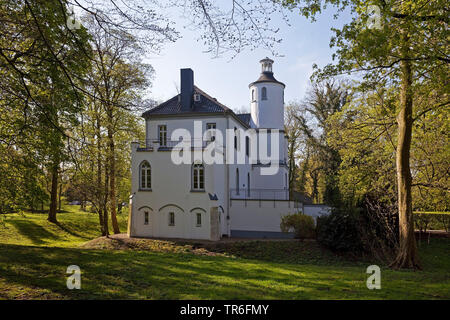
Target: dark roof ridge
(267, 76)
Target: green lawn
(34, 255)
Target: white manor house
(205, 172)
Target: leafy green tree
(322, 164)
(40, 67)
(115, 84)
(408, 49)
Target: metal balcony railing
(156, 144)
(259, 194)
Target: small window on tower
(264, 93)
(253, 95)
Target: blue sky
(304, 43)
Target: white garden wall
(259, 218)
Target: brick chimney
(187, 88)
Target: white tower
(267, 99)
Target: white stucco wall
(316, 210)
(254, 215)
(171, 192)
(267, 113)
(171, 186)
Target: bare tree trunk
(407, 251)
(105, 203)
(315, 181)
(112, 178)
(99, 193)
(53, 195)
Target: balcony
(259, 194)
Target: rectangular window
(247, 146)
(195, 179)
(171, 218)
(238, 137)
(201, 179)
(145, 217)
(149, 179)
(198, 177)
(142, 179)
(211, 128)
(199, 219)
(162, 135)
(235, 138)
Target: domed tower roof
(266, 73)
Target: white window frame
(145, 176)
(162, 135)
(198, 177)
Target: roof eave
(266, 81)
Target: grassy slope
(34, 255)
(75, 228)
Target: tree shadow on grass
(131, 274)
(69, 231)
(34, 232)
(126, 274)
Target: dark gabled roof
(207, 104)
(244, 117)
(266, 77)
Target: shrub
(339, 231)
(302, 225)
(370, 228)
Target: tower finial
(266, 65)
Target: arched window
(263, 93)
(248, 184)
(237, 181)
(146, 176)
(253, 94)
(198, 177)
